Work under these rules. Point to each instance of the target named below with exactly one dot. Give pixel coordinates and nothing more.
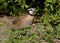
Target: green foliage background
(13, 6)
(50, 20)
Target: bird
(21, 21)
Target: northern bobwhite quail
(22, 21)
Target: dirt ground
(6, 25)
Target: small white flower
(33, 24)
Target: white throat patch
(31, 11)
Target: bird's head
(31, 11)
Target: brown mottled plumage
(23, 21)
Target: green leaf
(51, 1)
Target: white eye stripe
(31, 9)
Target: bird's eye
(31, 9)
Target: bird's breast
(24, 21)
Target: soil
(6, 24)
